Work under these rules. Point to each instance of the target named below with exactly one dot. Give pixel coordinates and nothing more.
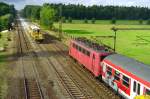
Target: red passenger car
(88, 54)
(126, 75)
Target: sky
(19, 4)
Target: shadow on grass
(77, 32)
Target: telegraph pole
(125, 29)
(115, 40)
(60, 22)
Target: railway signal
(117, 29)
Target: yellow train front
(36, 33)
(142, 97)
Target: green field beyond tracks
(128, 42)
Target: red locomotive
(126, 76)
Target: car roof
(133, 66)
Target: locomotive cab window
(125, 81)
(102, 57)
(109, 71)
(147, 92)
(117, 75)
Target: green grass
(3, 39)
(127, 42)
(3, 66)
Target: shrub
(93, 21)
(85, 20)
(113, 21)
(141, 21)
(148, 21)
(63, 19)
(70, 20)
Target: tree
(32, 12)
(70, 20)
(7, 14)
(95, 11)
(113, 21)
(47, 14)
(35, 12)
(6, 21)
(85, 20)
(93, 21)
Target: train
(36, 33)
(126, 76)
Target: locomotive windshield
(102, 57)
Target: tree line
(7, 14)
(45, 14)
(50, 12)
(103, 12)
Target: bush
(63, 19)
(70, 20)
(85, 20)
(141, 21)
(93, 21)
(113, 21)
(148, 21)
(5, 21)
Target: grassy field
(3, 66)
(127, 41)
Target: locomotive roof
(98, 48)
(131, 65)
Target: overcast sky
(19, 4)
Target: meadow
(3, 64)
(128, 42)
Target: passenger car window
(109, 70)
(117, 76)
(138, 91)
(134, 86)
(125, 81)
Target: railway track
(31, 86)
(73, 90)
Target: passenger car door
(136, 88)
